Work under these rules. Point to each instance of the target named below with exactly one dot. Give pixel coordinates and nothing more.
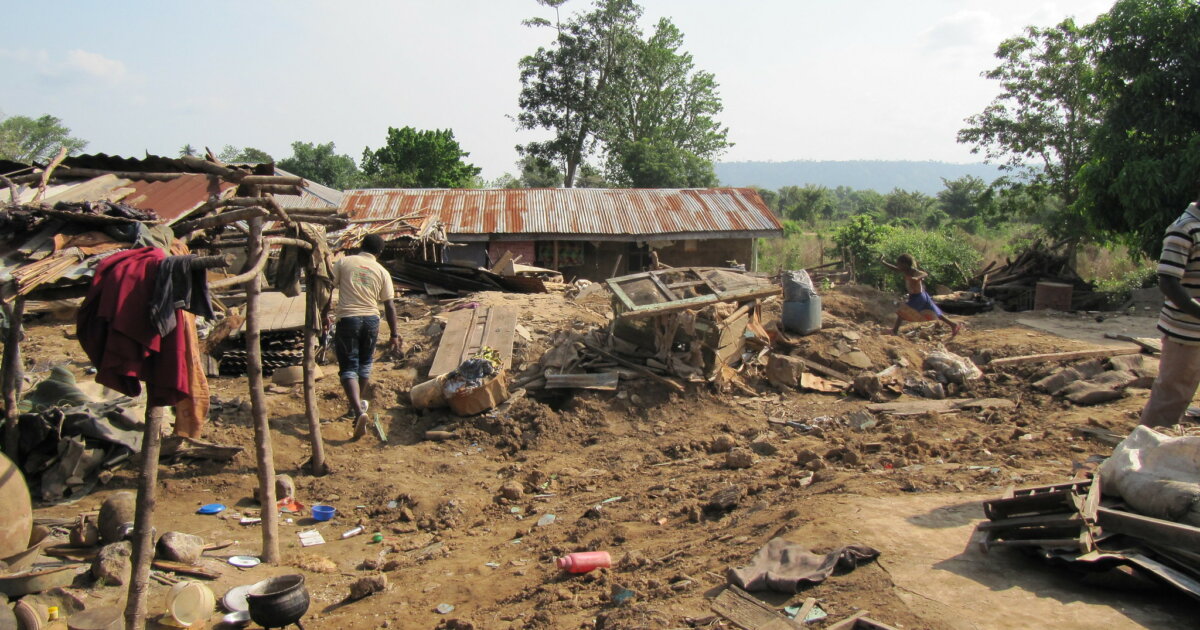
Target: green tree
(909, 205)
(965, 197)
(856, 241)
(659, 163)
(806, 203)
(1038, 127)
(321, 163)
(28, 140)
(249, 155)
(661, 100)
(538, 172)
(1146, 151)
(770, 198)
(187, 150)
(413, 158)
(564, 85)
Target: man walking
(362, 283)
(1179, 321)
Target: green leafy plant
(945, 256)
(856, 241)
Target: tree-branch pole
(258, 402)
(12, 376)
(143, 521)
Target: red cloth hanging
(115, 331)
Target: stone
(857, 359)
(368, 585)
(784, 370)
(512, 491)
(722, 444)
(116, 517)
(806, 455)
(868, 386)
(739, 458)
(763, 447)
(113, 563)
(725, 499)
(180, 547)
(293, 375)
(1117, 379)
(1126, 362)
(316, 563)
(1085, 393)
(861, 420)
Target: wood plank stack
(1012, 284)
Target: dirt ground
(632, 471)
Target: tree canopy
(412, 158)
(601, 88)
(249, 155)
(27, 140)
(1144, 166)
(321, 163)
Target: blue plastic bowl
(322, 512)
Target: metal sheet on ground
(469, 330)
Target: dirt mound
(861, 304)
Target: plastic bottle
(352, 532)
(584, 561)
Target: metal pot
(278, 602)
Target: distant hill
(878, 175)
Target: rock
(116, 517)
(1085, 393)
(1145, 377)
(763, 447)
(293, 375)
(512, 491)
(368, 585)
(180, 547)
(1115, 380)
(851, 335)
(806, 455)
(725, 499)
(722, 444)
(113, 564)
(316, 563)
(739, 458)
(857, 359)
(633, 560)
(784, 370)
(869, 386)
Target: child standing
(919, 307)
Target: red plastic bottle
(584, 561)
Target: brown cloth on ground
(788, 567)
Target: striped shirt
(1181, 259)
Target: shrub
(947, 257)
(856, 241)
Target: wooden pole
(143, 521)
(258, 401)
(312, 322)
(12, 376)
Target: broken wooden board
(277, 311)
(859, 621)
(918, 407)
(468, 330)
(820, 368)
(816, 383)
(604, 381)
(1148, 344)
(1155, 530)
(749, 613)
(1099, 353)
(678, 289)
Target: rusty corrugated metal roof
(175, 197)
(597, 213)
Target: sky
(800, 79)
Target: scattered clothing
(919, 307)
(787, 567)
(179, 284)
(362, 284)
(354, 341)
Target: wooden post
(554, 266)
(143, 521)
(11, 380)
(258, 400)
(312, 323)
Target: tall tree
(806, 203)
(412, 158)
(27, 140)
(662, 98)
(187, 150)
(1146, 153)
(537, 172)
(658, 163)
(321, 163)
(1038, 127)
(964, 197)
(563, 85)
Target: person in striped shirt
(1179, 322)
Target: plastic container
(323, 512)
(189, 603)
(802, 317)
(429, 395)
(584, 561)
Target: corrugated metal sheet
(176, 197)
(315, 195)
(600, 213)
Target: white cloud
(963, 30)
(96, 65)
(74, 65)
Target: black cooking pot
(278, 602)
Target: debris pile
(1013, 284)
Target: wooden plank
(634, 366)
(1100, 353)
(1155, 530)
(823, 369)
(749, 613)
(604, 381)
(469, 330)
(912, 408)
